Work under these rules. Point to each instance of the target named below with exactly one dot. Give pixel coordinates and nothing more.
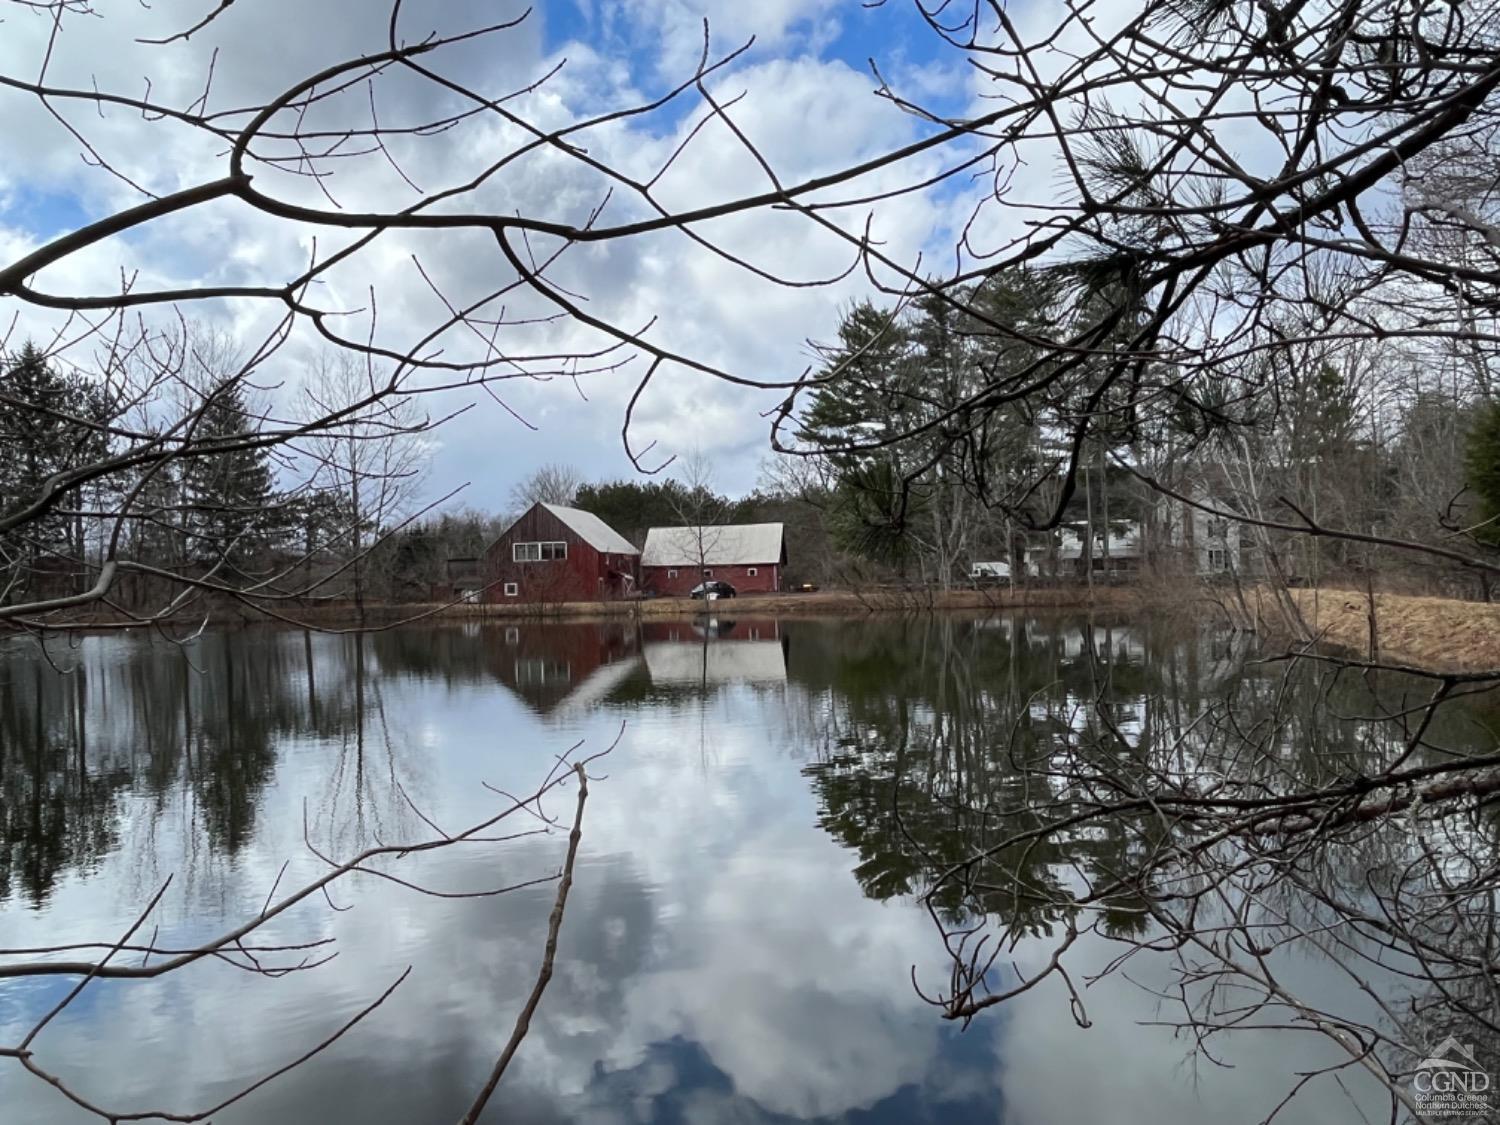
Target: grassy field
(1439, 634)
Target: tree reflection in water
(1148, 787)
(187, 733)
(1041, 785)
(197, 730)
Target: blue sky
(892, 32)
(45, 214)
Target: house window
(751, 572)
(1218, 559)
(511, 589)
(671, 574)
(538, 552)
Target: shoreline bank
(818, 603)
(827, 601)
(1428, 633)
(1433, 634)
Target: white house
(1126, 552)
(1206, 543)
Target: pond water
(744, 930)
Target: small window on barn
(512, 635)
(553, 552)
(708, 572)
(671, 574)
(751, 572)
(511, 590)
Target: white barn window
(511, 589)
(751, 572)
(551, 551)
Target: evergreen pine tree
(1482, 465)
(50, 422)
(229, 496)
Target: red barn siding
(586, 575)
(766, 580)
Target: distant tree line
(922, 467)
(1370, 436)
(333, 517)
(165, 462)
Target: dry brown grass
(1440, 634)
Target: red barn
(557, 554)
(749, 556)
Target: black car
(715, 587)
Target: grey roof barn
(727, 545)
(593, 531)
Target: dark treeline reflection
(929, 716)
(996, 770)
(97, 723)
(938, 737)
(112, 719)
(723, 958)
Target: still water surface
(741, 938)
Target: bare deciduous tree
(554, 483)
(700, 512)
(1240, 183)
(369, 466)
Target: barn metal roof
(592, 530)
(733, 544)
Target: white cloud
(708, 307)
